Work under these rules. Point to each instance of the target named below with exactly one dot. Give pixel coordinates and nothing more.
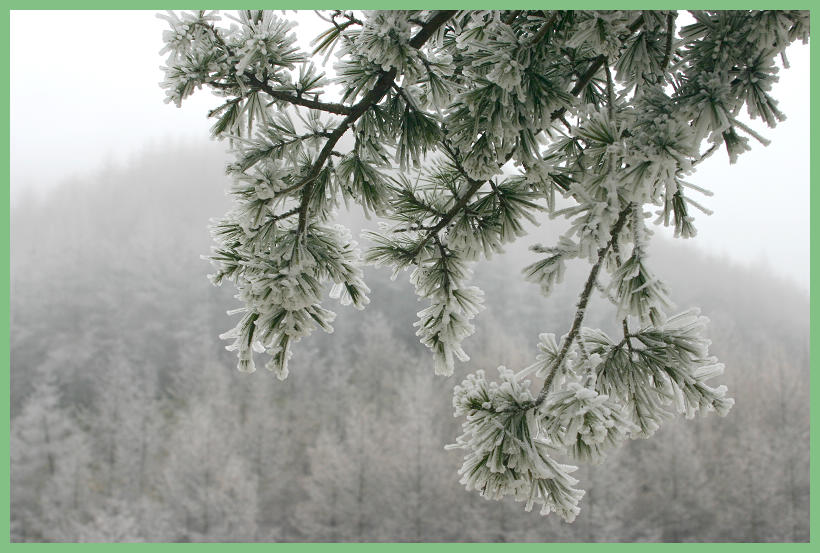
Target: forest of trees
(131, 423)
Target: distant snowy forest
(131, 423)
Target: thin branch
(329, 107)
(443, 252)
(299, 138)
(474, 185)
(610, 99)
(411, 228)
(351, 19)
(625, 322)
(582, 82)
(275, 218)
(606, 293)
(338, 109)
(427, 31)
(511, 16)
(371, 98)
(635, 25)
(545, 28)
(670, 30)
(625, 325)
(222, 108)
(406, 97)
(588, 75)
(563, 119)
(582, 305)
(706, 154)
(286, 214)
(593, 68)
(461, 203)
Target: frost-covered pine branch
(456, 128)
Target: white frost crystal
(505, 454)
(585, 422)
(609, 110)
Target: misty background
(130, 421)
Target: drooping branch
(352, 113)
(371, 98)
(473, 185)
(460, 204)
(582, 305)
(467, 211)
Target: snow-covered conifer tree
(51, 462)
(457, 128)
(207, 484)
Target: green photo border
(389, 4)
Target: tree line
(130, 422)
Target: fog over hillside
(130, 421)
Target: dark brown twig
(336, 108)
(371, 98)
(511, 17)
(625, 322)
(610, 95)
(593, 68)
(329, 107)
(582, 304)
(545, 28)
(670, 30)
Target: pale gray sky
(85, 93)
